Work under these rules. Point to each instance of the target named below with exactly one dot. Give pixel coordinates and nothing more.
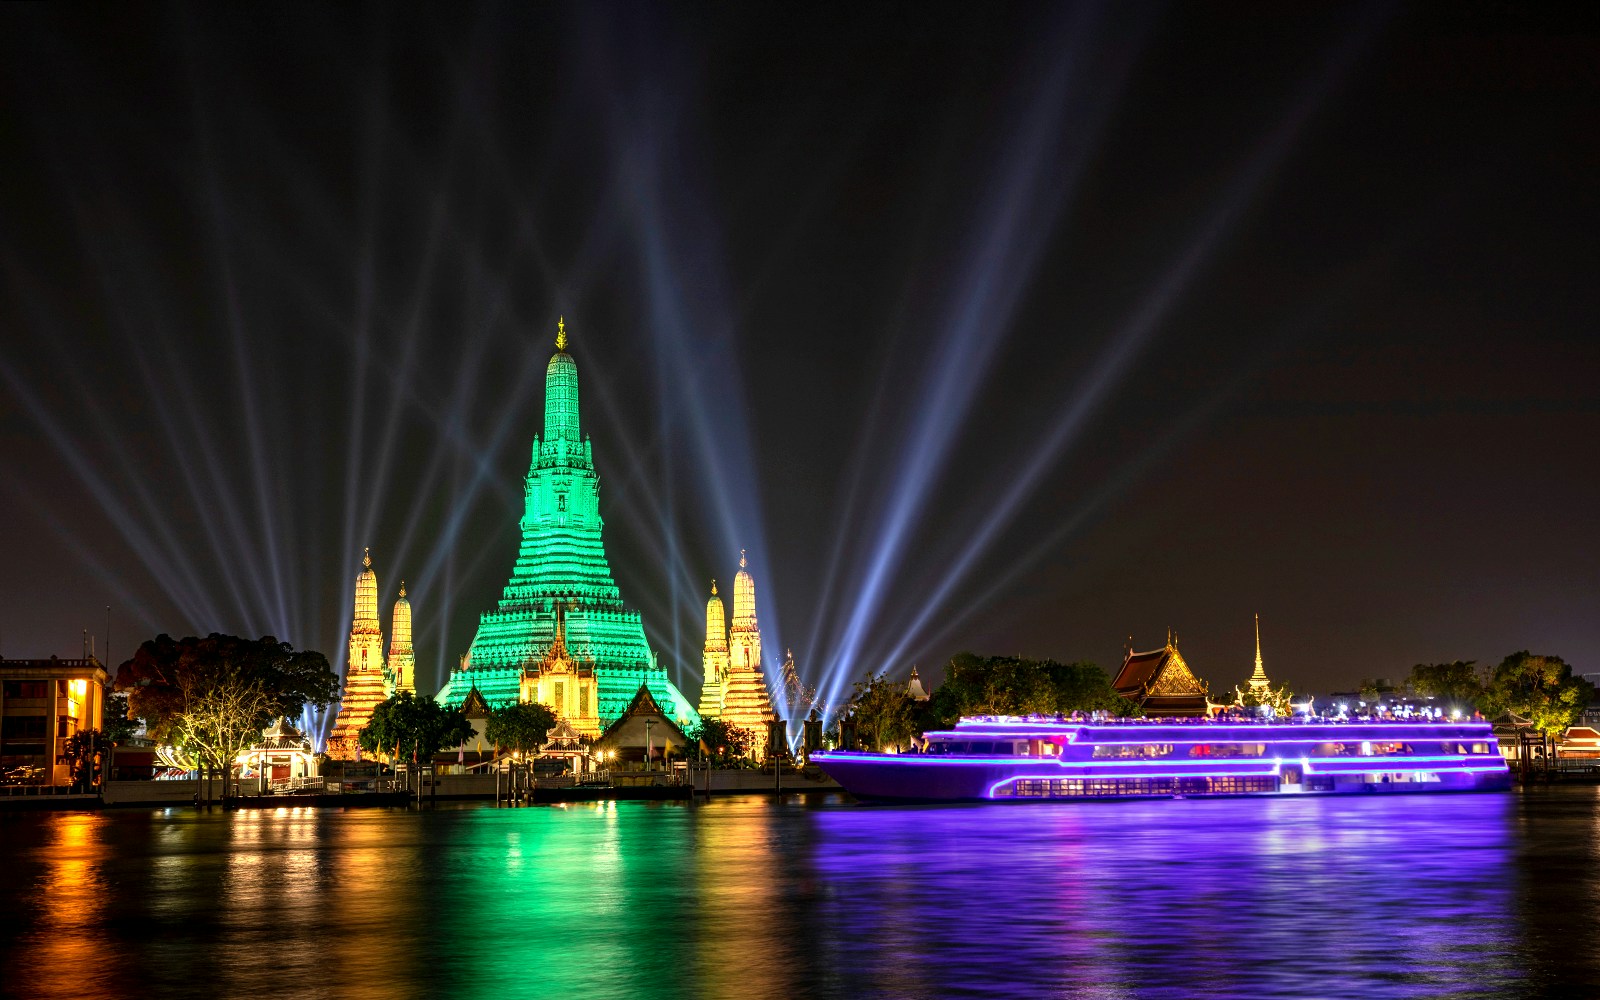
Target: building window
(23, 727)
(583, 702)
(27, 689)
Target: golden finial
(402, 588)
(561, 334)
(366, 558)
(713, 588)
(741, 558)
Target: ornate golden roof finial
(561, 334)
(741, 558)
(402, 588)
(366, 558)
(713, 588)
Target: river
(1489, 895)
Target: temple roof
(1138, 669)
(474, 705)
(282, 736)
(642, 705)
(563, 737)
(1161, 682)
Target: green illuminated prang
(562, 558)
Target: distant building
(735, 688)
(1160, 682)
(915, 688)
(400, 671)
(364, 682)
(43, 704)
(1258, 680)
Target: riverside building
(43, 704)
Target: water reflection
(1437, 896)
(1391, 898)
(64, 952)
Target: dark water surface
(1490, 895)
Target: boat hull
(917, 778)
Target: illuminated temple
(400, 672)
(735, 688)
(1161, 683)
(365, 681)
(562, 560)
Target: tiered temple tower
(562, 559)
(364, 672)
(714, 662)
(741, 687)
(1258, 680)
(400, 674)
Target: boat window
(1227, 750)
(1136, 750)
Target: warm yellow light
(79, 689)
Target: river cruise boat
(1012, 759)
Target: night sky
(1017, 329)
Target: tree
(1084, 687)
(224, 713)
(1540, 688)
(210, 698)
(118, 725)
(81, 750)
(884, 712)
(405, 726)
(723, 739)
(1458, 683)
(1009, 685)
(521, 727)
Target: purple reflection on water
(1369, 897)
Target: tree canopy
(884, 713)
(1539, 688)
(1012, 685)
(408, 728)
(722, 739)
(212, 697)
(1458, 683)
(520, 727)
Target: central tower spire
(561, 393)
